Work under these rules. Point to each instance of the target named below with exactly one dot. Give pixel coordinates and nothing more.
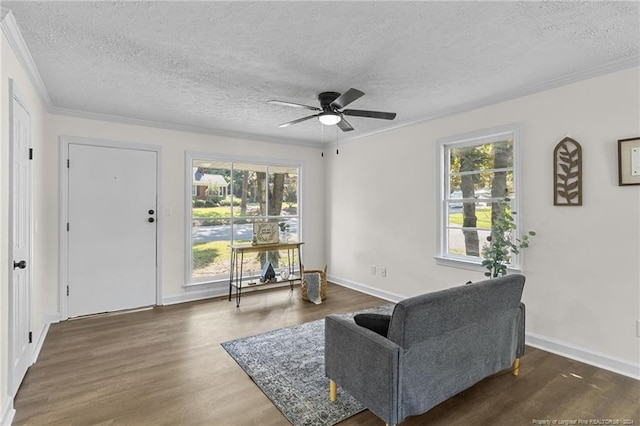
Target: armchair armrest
(365, 364)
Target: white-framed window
(226, 197)
(476, 171)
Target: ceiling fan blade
(291, 104)
(344, 125)
(346, 98)
(299, 120)
(370, 114)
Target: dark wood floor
(165, 366)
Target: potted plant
(502, 243)
(284, 231)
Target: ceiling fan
(331, 110)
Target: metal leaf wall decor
(567, 173)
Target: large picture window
(227, 198)
(476, 173)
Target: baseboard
(585, 355)
(8, 412)
(362, 288)
(42, 334)
(193, 294)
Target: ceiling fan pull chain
(322, 153)
(337, 143)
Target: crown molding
(531, 89)
(180, 128)
(19, 46)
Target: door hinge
(30, 153)
(67, 226)
(68, 163)
(30, 337)
(67, 290)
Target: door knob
(151, 211)
(151, 220)
(21, 265)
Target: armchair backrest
(420, 318)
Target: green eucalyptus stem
(501, 246)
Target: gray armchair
(436, 345)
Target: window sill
(217, 283)
(468, 265)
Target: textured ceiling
(212, 66)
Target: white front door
(111, 229)
(20, 242)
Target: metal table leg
(290, 254)
(239, 280)
(300, 264)
(233, 261)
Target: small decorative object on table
(252, 278)
(284, 274)
(284, 231)
(268, 274)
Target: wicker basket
(323, 282)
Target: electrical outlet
(373, 269)
(383, 272)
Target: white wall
(583, 270)
(583, 278)
(174, 144)
(11, 69)
(48, 128)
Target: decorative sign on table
(266, 233)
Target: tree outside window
(248, 193)
(478, 172)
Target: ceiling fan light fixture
(332, 112)
(329, 118)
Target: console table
(237, 260)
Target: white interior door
(112, 229)
(20, 243)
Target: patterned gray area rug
(288, 366)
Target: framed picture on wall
(629, 161)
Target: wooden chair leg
(333, 391)
(516, 367)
